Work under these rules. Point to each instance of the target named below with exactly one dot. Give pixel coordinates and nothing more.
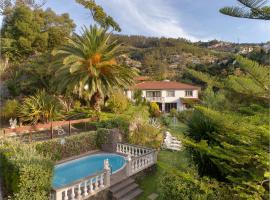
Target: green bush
(120, 123)
(10, 109)
(118, 103)
(102, 137)
(184, 115)
(186, 187)
(26, 174)
(146, 135)
(154, 110)
(73, 145)
(173, 112)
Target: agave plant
(87, 66)
(41, 107)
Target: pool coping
(78, 156)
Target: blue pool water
(74, 170)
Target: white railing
(140, 163)
(155, 99)
(139, 158)
(131, 150)
(84, 188)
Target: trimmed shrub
(26, 174)
(118, 103)
(58, 149)
(102, 137)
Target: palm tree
(88, 66)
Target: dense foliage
(142, 133)
(26, 174)
(231, 143)
(10, 109)
(58, 149)
(41, 107)
(26, 32)
(118, 102)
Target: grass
(179, 160)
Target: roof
(156, 85)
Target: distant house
(167, 94)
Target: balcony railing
(155, 99)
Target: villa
(167, 94)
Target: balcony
(155, 99)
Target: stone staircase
(126, 189)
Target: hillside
(167, 58)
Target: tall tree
(251, 9)
(87, 66)
(99, 15)
(6, 5)
(232, 143)
(26, 32)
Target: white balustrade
(84, 188)
(132, 150)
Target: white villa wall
(176, 99)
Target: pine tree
(251, 9)
(232, 145)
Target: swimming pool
(74, 170)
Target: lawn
(179, 160)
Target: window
(153, 94)
(170, 93)
(189, 93)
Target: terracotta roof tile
(155, 85)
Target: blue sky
(191, 19)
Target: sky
(191, 19)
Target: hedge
(58, 149)
(102, 137)
(26, 174)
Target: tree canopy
(231, 143)
(26, 32)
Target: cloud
(147, 17)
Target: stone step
(121, 185)
(126, 190)
(132, 195)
